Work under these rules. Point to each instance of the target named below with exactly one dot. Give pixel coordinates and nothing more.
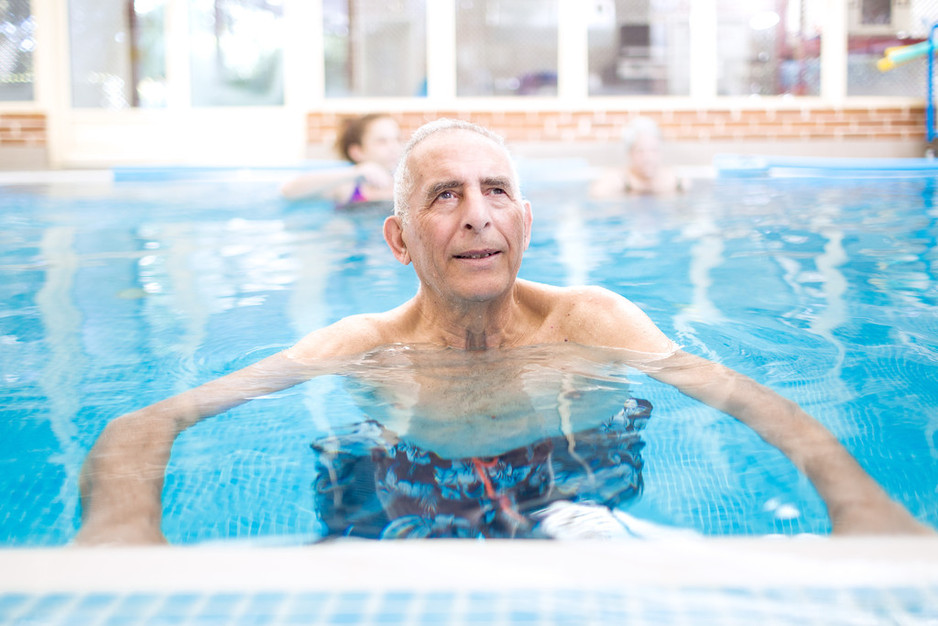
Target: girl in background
(371, 143)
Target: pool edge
(862, 562)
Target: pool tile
(639, 606)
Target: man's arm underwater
(121, 481)
(855, 502)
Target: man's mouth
(477, 254)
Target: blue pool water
(113, 296)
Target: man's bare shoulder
(597, 316)
(349, 336)
(610, 184)
(566, 298)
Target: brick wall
(23, 135)
(22, 130)
(795, 125)
(23, 141)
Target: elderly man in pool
(461, 221)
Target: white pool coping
(426, 565)
(42, 177)
(536, 171)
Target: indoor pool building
(148, 245)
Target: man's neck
(480, 330)
(475, 340)
(476, 326)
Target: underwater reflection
(483, 444)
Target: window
(16, 50)
(769, 47)
(118, 54)
(236, 52)
(375, 48)
(874, 26)
(639, 47)
(231, 52)
(506, 47)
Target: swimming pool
(118, 294)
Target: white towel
(573, 520)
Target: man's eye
(446, 195)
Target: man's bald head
(404, 177)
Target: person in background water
(644, 172)
(372, 144)
(461, 221)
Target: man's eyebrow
(498, 181)
(437, 188)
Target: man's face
(467, 227)
(645, 155)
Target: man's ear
(528, 220)
(394, 235)
(356, 153)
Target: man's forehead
(460, 151)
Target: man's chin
(484, 293)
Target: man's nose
(476, 213)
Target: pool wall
(792, 581)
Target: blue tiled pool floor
(642, 605)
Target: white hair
(638, 127)
(404, 178)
